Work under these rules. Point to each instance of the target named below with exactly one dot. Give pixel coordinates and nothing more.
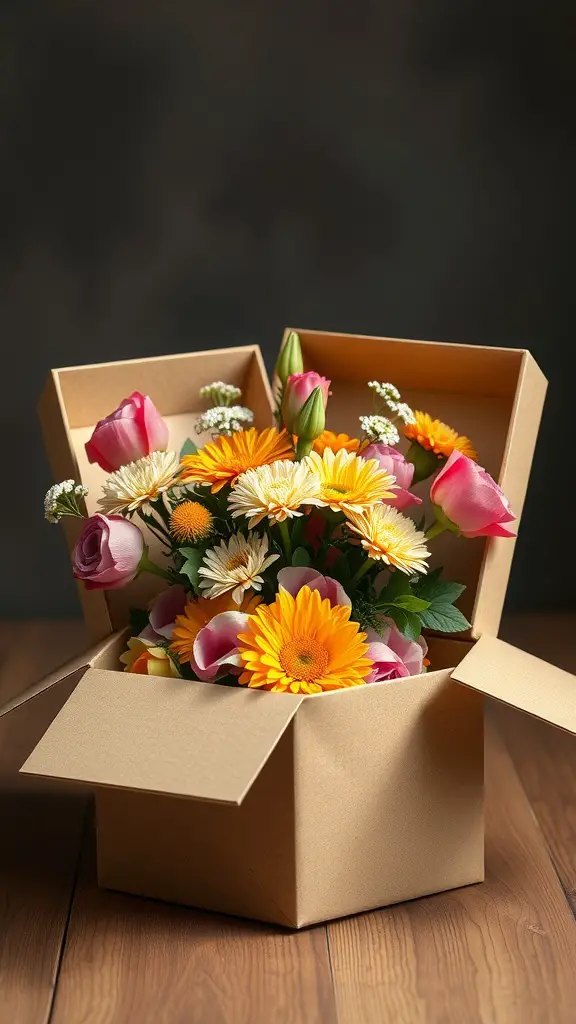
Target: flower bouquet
(295, 559)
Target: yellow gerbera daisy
(275, 492)
(349, 482)
(438, 437)
(304, 645)
(221, 462)
(197, 614)
(390, 537)
(328, 439)
(138, 483)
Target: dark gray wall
(180, 175)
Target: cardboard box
(296, 809)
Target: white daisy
(235, 565)
(276, 492)
(139, 483)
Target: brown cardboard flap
(171, 736)
(79, 664)
(527, 683)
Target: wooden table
(502, 951)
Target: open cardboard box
(296, 809)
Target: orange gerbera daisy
(221, 462)
(303, 645)
(328, 439)
(197, 614)
(438, 437)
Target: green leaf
(410, 603)
(298, 531)
(341, 571)
(408, 623)
(300, 557)
(188, 448)
(397, 584)
(431, 588)
(192, 559)
(138, 620)
(444, 618)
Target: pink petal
(216, 645)
(293, 578)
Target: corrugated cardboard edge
(63, 465)
(513, 479)
(507, 674)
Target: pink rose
(468, 496)
(215, 651)
(293, 578)
(108, 552)
(392, 461)
(133, 430)
(163, 611)
(299, 387)
(394, 656)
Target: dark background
(183, 175)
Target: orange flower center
(239, 561)
(191, 521)
(304, 658)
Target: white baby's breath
(386, 391)
(379, 429)
(61, 500)
(220, 393)
(223, 419)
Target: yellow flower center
(239, 561)
(304, 658)
(335, 490)
(191, 521)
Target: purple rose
(108, 552)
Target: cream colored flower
(276, 492)
(235, 565)
(390, 537)
(140, 482)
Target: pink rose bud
(467, 496)
(392, 461)
(108, 552)
(133, 430)
(299, 387)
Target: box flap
(78, 665)
(520, 680)
(169, 736)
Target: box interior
(89, 393)
(471, 388)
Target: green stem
(303, 448)
(147, 566)
(434, 530)
(286, 542)
(361, 571)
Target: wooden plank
(40, 835)
(497, 953)
(545, 758)
(134, 959)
